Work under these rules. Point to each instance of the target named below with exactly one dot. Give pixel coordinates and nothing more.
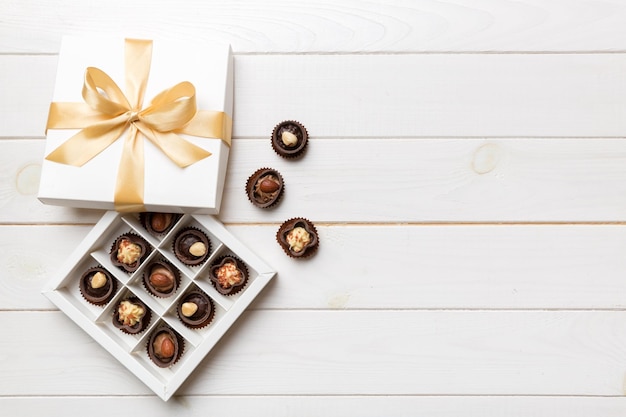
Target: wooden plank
(30, 258)
(437, 180)
(344, 353)
(433, 95)
(385, 267)
(20, 171)
(329, 26)
(330, 406)
(25, 100)
(388, 181)
(404, 266)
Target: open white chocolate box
(131, 350)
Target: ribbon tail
(130, 176)
(88, 143)
(182, 152)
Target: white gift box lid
(195, 189)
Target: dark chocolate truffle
(97, 286)
(265, 187)
(298, 238)
(195, 309)
(289, 139)
(191, 246)
(229, 275)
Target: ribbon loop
(172, 108)
(102, 94)
(107, 112)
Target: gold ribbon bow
(107, 113)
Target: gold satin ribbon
(107, 113)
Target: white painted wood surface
(467, 175)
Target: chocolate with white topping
(128, 251)
(131, 316)
(298, 238)
(229, 275)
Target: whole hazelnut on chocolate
(289, 139)
(195, 309)
(192, 246)
(97, 285)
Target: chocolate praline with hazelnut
(158, 224)
(265, 187)
(97, 286)
(192, 246)
(161, 278)
(195, 310)
(289, 139)
(165, 346)
(229, 275)
(129, 251)
(298, 237)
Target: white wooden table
(467, 174)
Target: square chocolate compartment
(131, 349)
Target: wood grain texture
(432, 123)
(388, 181)
(344, 353)
(330, 406)
(328, 25)
(343, 96)
(384, 267)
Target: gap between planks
(137, 396)
(382, 53)
(374, 223)
(387, 309)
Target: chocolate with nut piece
(265, 187)
(289, 139)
